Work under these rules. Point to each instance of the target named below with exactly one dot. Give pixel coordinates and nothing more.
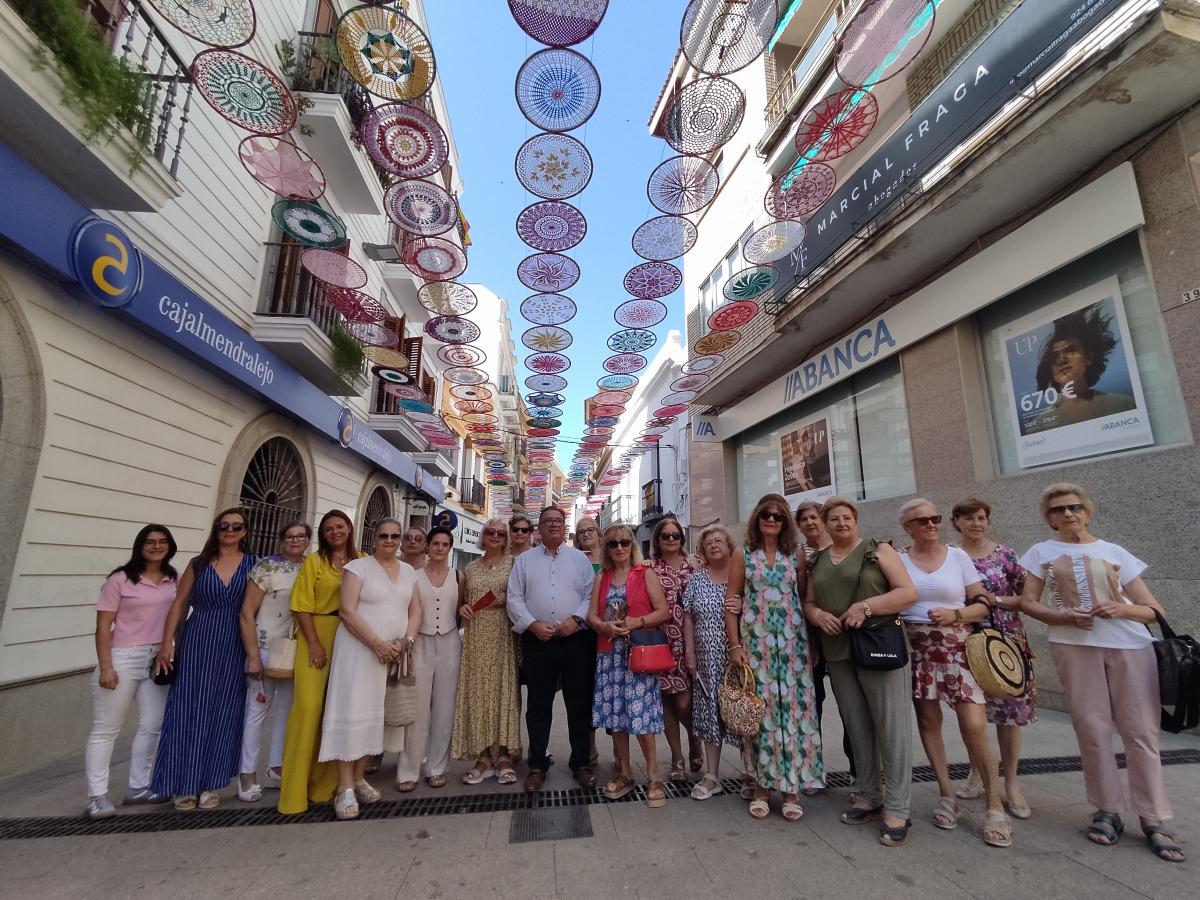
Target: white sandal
(365, 793)
(209, 800)
(251, 794)
(345, 805)
(702, 791)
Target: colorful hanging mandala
(601, 409)
(800, 193)
(355, 305)
(547, 363)
(619, 397)
(546, 412)
(882, 40)
(682, 185)
(447, 298)
(698, 364)
(837, 125)
(282, 167)
(553, 166)
(452, 329)
(548, 309)
(392, 376)
(750, 282)
(470, 392)
(547, 339)
(674, 409)
(551, 225)
(722, 36)
(386, 52)
(244, 92)
(466, 375)
(385, 357)
(334, 268)
(717, 342)
(434, 259)
(625, 363)
(309, 224)
(421, 207)
(640, 313)
(632, 340)
(557, 89)
(545, 383)
(371, 333)
(664, 237)
(690, 382)
(733, 315)
(558, 23)
(548, 273)
(218, 23)
(603, 421)
(774, 241)
(652, 280)
(404, 140)
(543, 400)
(461, 355)
(703, 115)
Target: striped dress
(200, 747)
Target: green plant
(347, 352)
(108, 92)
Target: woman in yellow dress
(315, 602)
(487, 715)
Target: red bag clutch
(649, 652)
(488, 599)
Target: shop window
(273, 493)
(1077, 364)
(379, 507)
(851, 440)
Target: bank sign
(1034, 36)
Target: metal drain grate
(554, 824)
(416, 807)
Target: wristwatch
(579, 621)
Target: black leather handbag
(880, 645)
(1178, 678)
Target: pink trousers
(1115, 691)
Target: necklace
(836, 558)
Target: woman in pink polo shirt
(130, 616)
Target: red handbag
(649, 652)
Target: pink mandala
(795, 195)
(548, 273)
(405, 140)
(733, 315)
(452, 329)
(690, 382)
(355, 305)
(674, 409)
(334, 268)
(551, 226)
(837, 125)
(547, 363)
(282, 167)
(625, 363)
(651, 280)
(434, 259)
(640, 313)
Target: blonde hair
(912, 504)
(1059, 489)
(494, 523)
(635, 552)
(833, 503)
(583, 519)
(711, 530)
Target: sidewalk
(687, 850)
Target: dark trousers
(571, 662)
(819, 673)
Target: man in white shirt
(548, 596)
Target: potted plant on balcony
(347, 353)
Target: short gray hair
(913, 504)
(1061, 488)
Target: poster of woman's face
(805, 460)
(1073, 379)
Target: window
(379, 506)
(851, 440)
(273, 493)
(1133, 398)
(712, 291)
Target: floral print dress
(787, 750)
(624, 701)
(1001, 573)
(674, 581)
(704, 601)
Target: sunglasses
(670, 536)
(389, 536)
(495, 532)
(623, 542)
(516, 530)
(767, 516)
(926, 520)
(231, 526)
(1075, 508)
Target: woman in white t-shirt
(1098, 608)
(949, 598)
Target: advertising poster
(805, 461)
(1073, 383)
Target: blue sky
(479, 50)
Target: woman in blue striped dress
(200, 748)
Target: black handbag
(168, 677)
(1178, 678)
(880, 645)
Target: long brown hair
(787, 529)
(211, 546)
(655, 549)
(324, 548)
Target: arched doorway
(274, 493)
(379, 506)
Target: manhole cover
(556, 824)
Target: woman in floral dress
(771, 636)
(1002, 576)
(668, 547)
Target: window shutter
(412, 350)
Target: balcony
(295, 320)
(122, 160)
(472, 493)
(333, 106)
(393, 423)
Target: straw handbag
(281, 656)
(400, 698)
(997, 661)
(741, 708)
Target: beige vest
(438, 605)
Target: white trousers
(109, 710)
(436, 659)
(276, 703)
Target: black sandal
(858, 816)
(1165, 843)
(894, 837)
(1108, 826)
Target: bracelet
(866, 608)
(411, 639)
(735, 647)
(958, 615)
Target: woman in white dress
(381, 615)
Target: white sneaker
(100, 808)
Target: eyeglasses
(623, 542)
(767, 516)
(553, 523)
(926, 520)
(495, 532)
(231, 526)
(583, 531)
(388, 536)
(670, 536)
(516, 530)
(295, 537)
(1075, 508)
(156, 543)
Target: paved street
(687, 850)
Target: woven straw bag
(400, 698)
(281, 656)
(741, 708)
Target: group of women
(786, 605)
